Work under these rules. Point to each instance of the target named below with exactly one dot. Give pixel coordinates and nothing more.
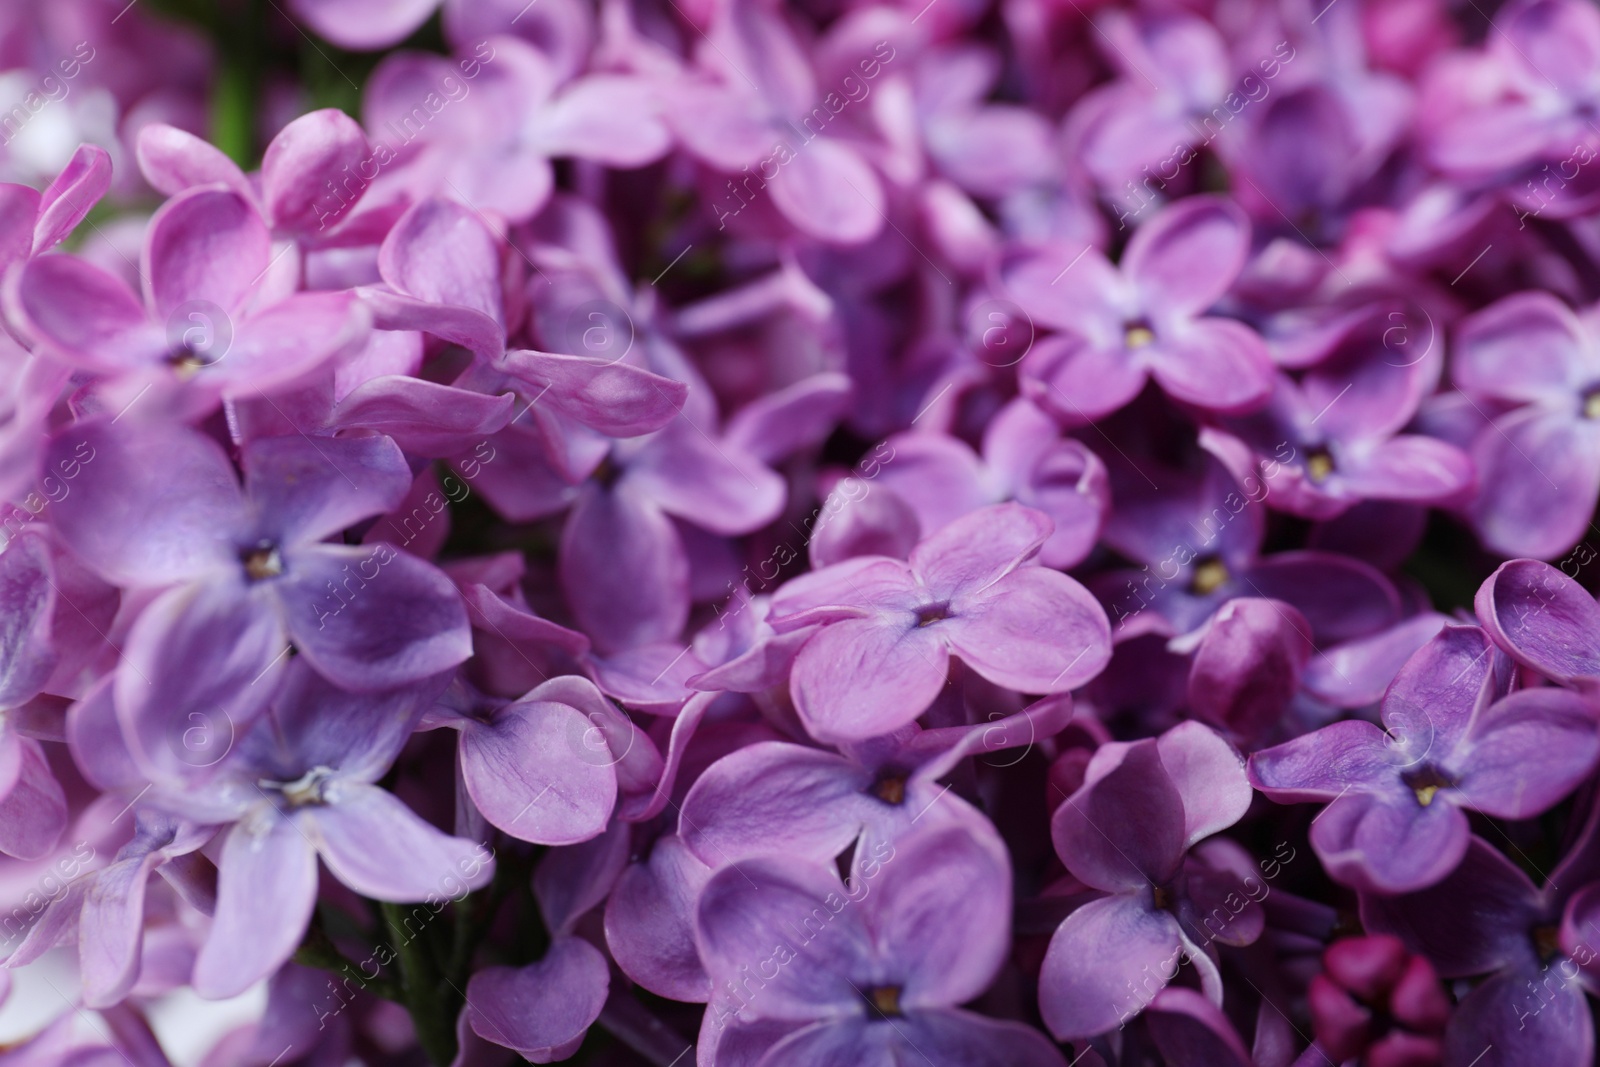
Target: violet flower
(1452, 741)
(891, 626)
(865, 972)
(1127, 832)
(1144, 317)
(242, 573)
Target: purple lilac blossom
(799, 533)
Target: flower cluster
(830, 534)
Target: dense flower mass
(799, 533)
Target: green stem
(424, 992)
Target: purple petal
(1185, 258)
(147, 508)
(544, 1009)
(1543, 618)
(307, 155)
(173, 160)
(424, 418)
(1526, 752)
(1035, 631)
(861, 678)
(1217, 364)
(205, 246)
(814, 802)
(1104, 964)
(650, 922)
(1538, 478)
(691, 477)
(615, 398)
(977, 550)
(377, 846)
(364, 25)
(372, 617)
(753, 914)
(33, 807)
(530, 774)
(308, 489)
(623, 569)
(1389, 842)
(1080, 381)
(182, 721)
(929, 877)
(1208, 774)
(111, 929)
(75, 191)
(266, 891)
(829, 192)
(86, 316)
(1353, 754)
(954, 1038)
(1529, 346)
(1126, 826)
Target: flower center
(305, 790)
(1209, 576)
(1319, 464)
(885, 999)
(1591, 404)
(1426, 781)
(891, 789)
(261, 562)
(1546, 942)
(186, 362)
(929, 614)
(1138, 334)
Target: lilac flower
(1127, 832)
(1143, 318)
(299, 786)
(241, 573)
(1539, 480)
(1452, 739)
(892, 626)
(1340, 422)
(1543, 56)
(1366, 978)
(1198, 539)
(864, 972)
(214, 322)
